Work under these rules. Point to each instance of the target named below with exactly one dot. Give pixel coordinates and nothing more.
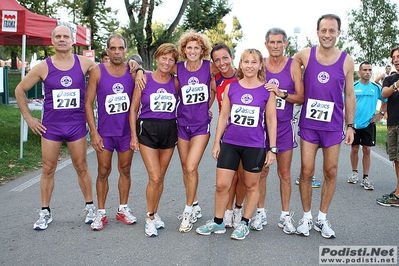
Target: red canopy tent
(17, 21)
(20, 26)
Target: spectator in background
(104, 57)
(380, 78)
(367, 95)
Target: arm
(271, 125)
(350, 99)
(379, 78)
(213, 95)
(38, 73)
(296, 74)
(387, 89)
(91, 91)
(222, 123)
(133, 114)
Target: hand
(216, 151)
(349, 136)
(376, 117)
(140, 80)
(271, 87)
(134, 144)
(133, 65)
(97, 142)
(270, 158)
(36, 126)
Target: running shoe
(90, 211)
(99, 221)
(286, 224)
(197, 212)
(367, 184)
(390, 201)
(324, 227)
(45, 218)
(211, 227)
(305, 225)
(353, 178)
(159, 224)
(237, 215)
(389, 194)
(126, 216)
(228, 218)
(258, 221)
(240, 232)
(186, 222)
(150, 228)
(315, 183)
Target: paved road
(354, 215)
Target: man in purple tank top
(63, 75)
(113, 85)
(328, 77)
(284, 78)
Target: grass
(11, 166)
(381, 135)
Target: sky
(257, 16)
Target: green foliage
(10, 164)
(205, 14)
(218, 34)
(373, 28)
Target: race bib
(66, 99)
(244, 116)
(319, 110)
(194, 94)
(280, 103)
(162, 102)
(117, 103)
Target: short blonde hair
(167, 48)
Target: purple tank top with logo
(158, 101)
(323, 108)
(114, 96)
(194, 95)
(64, 94)
(246, 125)
(284, 82)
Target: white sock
(283, 214)
(122, 206)
(321, 216)
(261, 210)
(101, 210)
(307, 215)
(188, 209)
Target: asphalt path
(354, 215)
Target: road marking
(36, 179)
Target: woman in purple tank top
(246, 106)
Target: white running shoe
(45, 218)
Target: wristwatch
(285, 95)
(350, 125)
(274, 150)
(382, 112)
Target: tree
(219, 35)
(199, 15)
(373, 29)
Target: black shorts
(230, 155)
(157, 133)
(365, 136)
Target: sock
(364, 176)
(238, 207)
(101, 210)
(260, 210)
(218, 220)
(195, 203)
(89, 202)
(321, 216)
(307, 215)
(355, 171)
(122, 206)
(245, 220)
(46, 208)
(188, 209)
(283, 214)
